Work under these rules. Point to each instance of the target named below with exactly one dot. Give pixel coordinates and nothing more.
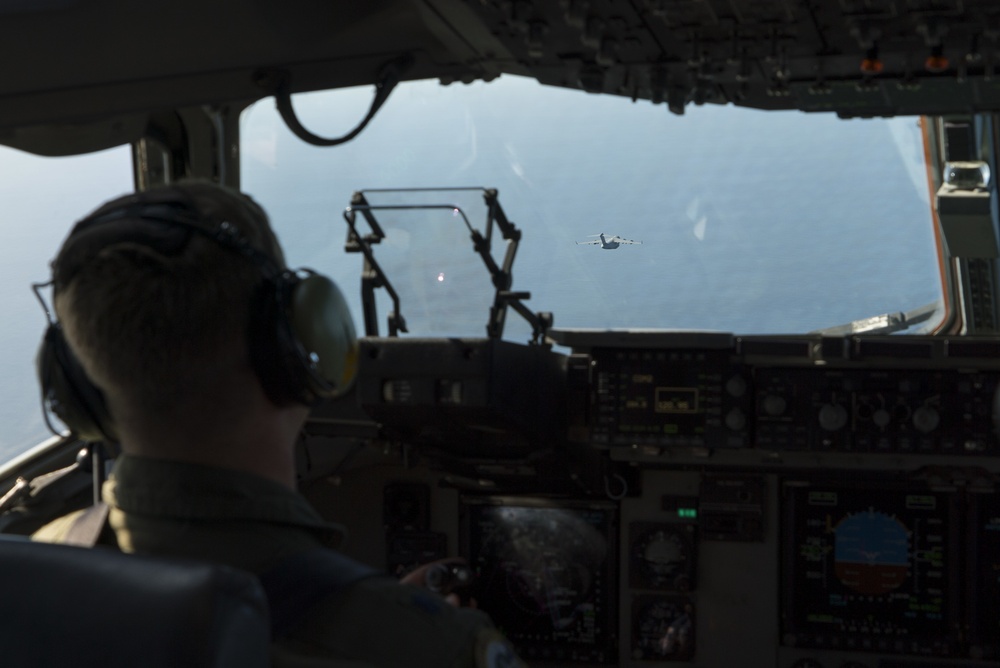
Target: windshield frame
(357, 153)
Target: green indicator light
(689, 513)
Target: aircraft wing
(596, 242)
(625, 241)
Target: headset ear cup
(68, 392)
(323, 327)
(302, 340)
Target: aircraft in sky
(609, 243)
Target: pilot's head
(156, 312)
(177, 304)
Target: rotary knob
(832, 417)
(736, 386)
(736, 420)
(774, 405)
(926, 419)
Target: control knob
(832, 417)
(774, 405)
(736, 420)
(736, 386)
(926, 419)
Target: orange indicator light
(936, 63)
(872, 66)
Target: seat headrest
(94, 607)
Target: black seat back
(71, 606)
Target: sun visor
(62, 139)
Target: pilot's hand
(451, 578)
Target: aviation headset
(302, 341)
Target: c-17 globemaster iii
(609, 243)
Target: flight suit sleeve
(56, 530)
(388, 624)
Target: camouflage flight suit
(241, 520)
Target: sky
(40, 199)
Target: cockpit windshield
(40, 197)
(749, 221)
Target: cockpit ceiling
(72, 61)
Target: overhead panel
(853, 57)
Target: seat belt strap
(301, 581)
(86, 529)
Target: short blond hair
(159, 326)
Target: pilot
(177, 305)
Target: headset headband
(167, 228)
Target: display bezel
(869, 624)
(984, 574)
(531, 643)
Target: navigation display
(984, 554)
(868, 568)
(544, 573)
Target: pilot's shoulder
(388, 624)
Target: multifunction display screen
(871, 569)
(545, 575)
(984, 557)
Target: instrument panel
(708, 499)
(811, 395)
(845, 573)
